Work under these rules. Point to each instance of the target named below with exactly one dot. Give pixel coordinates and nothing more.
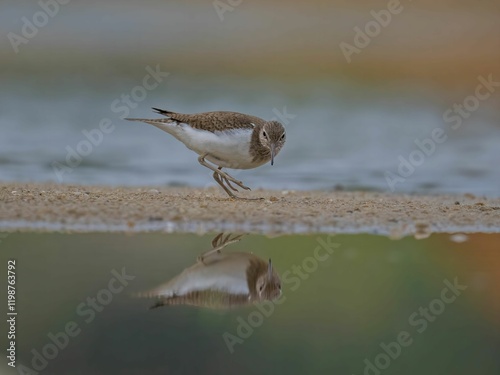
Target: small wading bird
(218, 280)
(226, 139)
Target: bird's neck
(257, 150)
(256, 268)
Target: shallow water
(342, 135)
(345, 127)
(338, 309)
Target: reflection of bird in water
(220, 280)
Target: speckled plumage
(226, 139)
(220, 280)
(214, 121)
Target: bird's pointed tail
(166, 120)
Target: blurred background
(70, 73)
(351, 117)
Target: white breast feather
(227, 275)
(230, 149)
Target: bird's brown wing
(212, 299)
(215, 121)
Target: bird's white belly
(227, 149)
(228, 273)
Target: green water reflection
(433, 305)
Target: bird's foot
(228, 178)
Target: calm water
(438, 297)
(361, 305)
(344, 130)
(341, 135)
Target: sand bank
(47, 207)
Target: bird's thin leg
(219, 243)
(222, 174)
(206, 254)
(228, 178)
(217, 240)
(222, 241)
(218, 179)
(229, 184)
(224, 179)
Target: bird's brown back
(213, 299)
(215, 121)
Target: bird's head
(272, 137)
(269, 284)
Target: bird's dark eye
(279, 286)
(283, 136)
(261, 287)
(264, 134)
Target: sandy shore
(85, 208)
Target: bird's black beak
(273, 148)
(269, 269)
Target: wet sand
(51, 207)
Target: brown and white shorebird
(219, 280)
(225, 139)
